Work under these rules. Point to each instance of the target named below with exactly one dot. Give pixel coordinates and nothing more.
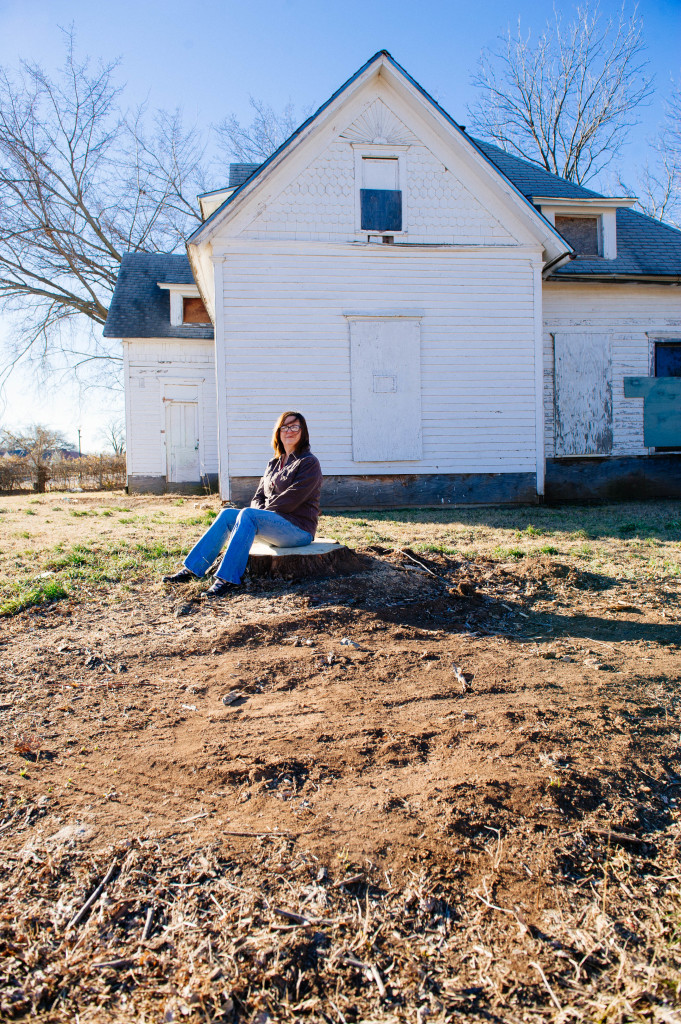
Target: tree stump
(320, 558)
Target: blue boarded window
(381, 209)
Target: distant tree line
(40, 459)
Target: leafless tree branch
(81, 183)
(568, 100)
(253, 143)
(659, 184)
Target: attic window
(194, 311)
(186, 305)
(582, 233)
(380, 195)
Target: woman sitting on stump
(284, 511)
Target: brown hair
(304, 441)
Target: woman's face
(289, 432)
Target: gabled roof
(552, 239)
(139, 308)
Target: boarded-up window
(194, 312)
(583, 394)
(581, 233)
(385, 360)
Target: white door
(182, 442)
(385, 360)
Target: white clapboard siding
(287, 345)
(632, 315)
(155, 367)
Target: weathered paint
(636, 317)
(661, 408)
(411, 490)
(583, 394)
(613, 478)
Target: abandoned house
(456, 324)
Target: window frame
(653, 341)
(379, 151)
(583, 215)
(178, 293)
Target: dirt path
(471, 755)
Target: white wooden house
(456, 324)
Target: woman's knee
(246, 514)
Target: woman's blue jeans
(241, 526)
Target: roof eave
(614, 278)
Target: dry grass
(269, 935)
(102, 544)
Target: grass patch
(504, 553)
(28, 596)
(548, 549)
(203, 520)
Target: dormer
(588, 225)
(186, 304)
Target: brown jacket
(292, 492)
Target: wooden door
(385, 361)
(182, 442)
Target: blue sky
(209, 56)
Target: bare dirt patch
(382, 796)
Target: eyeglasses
(290, 428)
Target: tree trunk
(337, 560)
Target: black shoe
(219, 588)
(181, 576)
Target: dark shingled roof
(645, 247)
(139, 308)
(239, 173)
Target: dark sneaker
(181, 576)
(219, 588)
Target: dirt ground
(382, 796)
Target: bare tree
(37, 445)
(659, 184)
(113, 435)
(567, 100)
(253, 143)
(81, 183)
